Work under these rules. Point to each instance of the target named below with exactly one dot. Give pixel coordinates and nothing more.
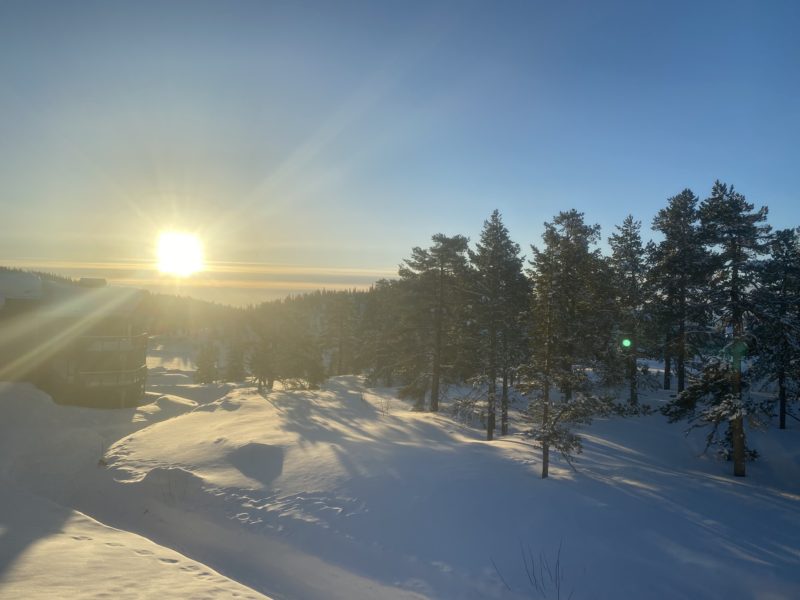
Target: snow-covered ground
(215, 490)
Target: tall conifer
(500, 297)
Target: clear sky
(312, 144)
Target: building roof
(70, 300)
(19, 285)
(67, 299)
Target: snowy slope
(345, 493)
(49, 551)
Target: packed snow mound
(225, 403)
(261, 462)
(173, 478)
(165, 406)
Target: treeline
(717, 299)
(166, 314)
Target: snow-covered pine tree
(777, 311)
(553, 420)
(569, 329)
(500, 292)
(713, 400)
(735, 236)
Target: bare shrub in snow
(546, 575)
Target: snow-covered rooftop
(65, 299)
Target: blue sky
(334, 136)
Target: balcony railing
(114, 343)
(94, 379)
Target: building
(84, 343)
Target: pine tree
(712, 401)
(206, 363)
(234, 367)
(380, 343)
(298, 353)
(554, 420)
(291, 329)
(777, 311)
(629, 269)
(262, 363)
(435, 277)
(340, 329)
(735, 236)
(500, 293)
(679, 267)
(568, 332)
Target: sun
(179, 254)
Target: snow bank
(48, 551)
(345, 493)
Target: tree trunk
(491, 419)
(340, 346)
(737, 423)
(504, 405)
(680, 364)
(419, 403)
(545, 459)
(435, 387)
(546, 427)
(680, 361)
(737, 432)
(567, 391)
(667, 363)
(632, 376)
(782, 397)
(492, 376)
(739, 347)
(437, 345)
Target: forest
(716, 300)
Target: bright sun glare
(179, 254)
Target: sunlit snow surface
(215, 490)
